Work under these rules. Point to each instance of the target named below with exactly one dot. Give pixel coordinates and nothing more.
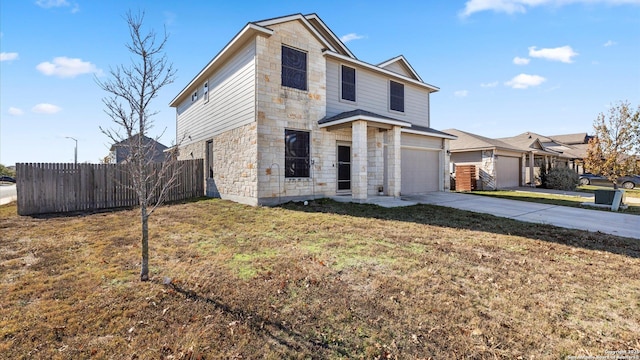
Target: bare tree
(611, 150)
(132, 88)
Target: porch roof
(381, 121)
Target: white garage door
(419, 171)
(507, 172)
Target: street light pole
(75, 150)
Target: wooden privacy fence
(55, 188)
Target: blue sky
(503, 66)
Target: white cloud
(47, 4)
(45, 108)
(521, 6)
(461, 93)
(563, 53)
(609, 43)
(65, 67)
(52, 3)
(8, 56)
(15, 111)
(489, 85)
(524, 81)
(520, 61)
(351, 36)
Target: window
(396, 96)
(206, 92)
(209, 155)
(296, 153)
(348, 83)
(194, 97)
(294, 68)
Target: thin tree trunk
(144, 270)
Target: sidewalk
(567, 217)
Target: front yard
(326, 280)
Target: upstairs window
(296, 154)
(396, 96)
(294, 68)
(206, 91)
(348, 83)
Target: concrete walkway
(563, 216)
(568, 217)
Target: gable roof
(403, 63)
(469, 142)
(334, 48)
(571, 139)
(133, 138)
(529, 141)
(232, 46)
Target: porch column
(523, 170)
(532, 180)
(359, 160)
(394, 172)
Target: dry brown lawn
(325, 281)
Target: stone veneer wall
(234, 163)
(375, 156)
(280, 108)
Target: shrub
(562, 178)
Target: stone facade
(280, 108)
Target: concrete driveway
(567, 217)
(8, 194)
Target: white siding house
(286, 112)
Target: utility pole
(75, 150)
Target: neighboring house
(498, 164)
(286, 112)
(574, 146)
(155, 151)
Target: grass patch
(592, 188)
(550, 199)
(323, 281)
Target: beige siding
(421, 141)
(231, 100)
(372, 94)
(398, 69)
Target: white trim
(418, 132)
(379, 70)
(236, 41)
(406, 63)
(326, 28)
(365, 118)
(304, 21)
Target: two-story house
(286, 112)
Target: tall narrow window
(348, 83)
(396, 96)
(296, 153)
(294, 68)
(209, 159)
(206, 91)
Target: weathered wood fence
(55, 188)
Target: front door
(344, 168)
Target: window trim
(306, 68)
(308, 157)
(355, 86)
(391, 96)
